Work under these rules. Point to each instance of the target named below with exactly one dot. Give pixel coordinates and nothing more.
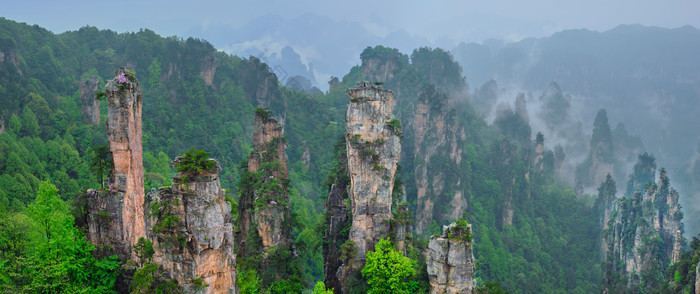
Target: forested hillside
(532, 234)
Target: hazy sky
(463, 20)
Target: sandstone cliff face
(373, 150)
(269, 215)
(208, 70)
(90, 107)
(450, 263)
(642, 235)
(604, 205)
(116, 218)
(438, 142)
(505, 159)
(538, 158)
(264, 215)
(191, 228)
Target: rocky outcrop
(116, 217)
(264, 217)
(337, 219)
(450, 260)
(604, 206)
(190, 225)
(601, 158)
(208, 70)
(506, 159)
(438, 143)
(538, 158)
(271, 208)
(373, 149)
(90, 107)
(642, 234)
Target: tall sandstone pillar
(263, 238)
(373, 144)
(116, 216)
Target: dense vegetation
(546, 248)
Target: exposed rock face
(116, 218)
(538, 159)
(191, 228)
(337, 221)
(373, 150)
(601, 157)
(90, 106)
(208, 70)
(506, 160)
(10, 55)
(269, 145)
(438, 142)
(264, 215)
(604, 205)
(642, 236)
(450, 263)
(266, 130)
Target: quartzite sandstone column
(116, 217)
(373, 143)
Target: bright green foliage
(320, 288)
(44, 253)
(195, 162)
(248, 282)
(387, 270)
(144, 250)
(157, 170)
(460, 231)
(680, 276)
(101, 163)
(148, 279)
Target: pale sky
(464, 20)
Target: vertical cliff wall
(373, 150)
(438, 149)
(116, 217)
(337, 219)
(90, 107)
(191, 229)
(604, 205)
(450, 260)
